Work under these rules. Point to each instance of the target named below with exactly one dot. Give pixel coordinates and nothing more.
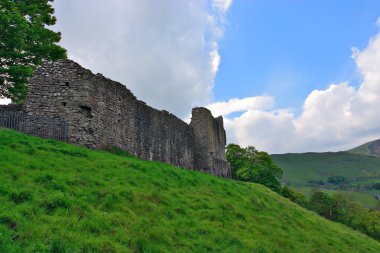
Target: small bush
(295, 196)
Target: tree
(236, 156)
(328, 206)
(295, 196)
(25, 43)
(249, 164)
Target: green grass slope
(56, 197)
(299, 169)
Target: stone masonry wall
(101, 113)
(210, 140)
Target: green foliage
(330, 207)
(56, 197)
(25, 43)
(315, 182)
(375, 186)
(249, 164)
(337, 208)
(336, 180)
(295, 196)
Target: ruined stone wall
(210, 141)
(100, 113)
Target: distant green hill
(359, 167)
(56, 197)
(371, 148)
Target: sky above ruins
(288, 76)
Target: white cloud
(215, 60)
(222, 5)
(262, 129)
(241, 105)
(337, 118)
(165, 51)
(4, 101)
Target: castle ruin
(101, 113)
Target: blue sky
(287, 48)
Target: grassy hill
(371, 148)
(358, 168)
(56, 197)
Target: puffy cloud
(337, 118)
(326, 112)
(266, 130)
(165, 51)
(241, 105)
(4, 101)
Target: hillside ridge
(371, 148)
(358, 169)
